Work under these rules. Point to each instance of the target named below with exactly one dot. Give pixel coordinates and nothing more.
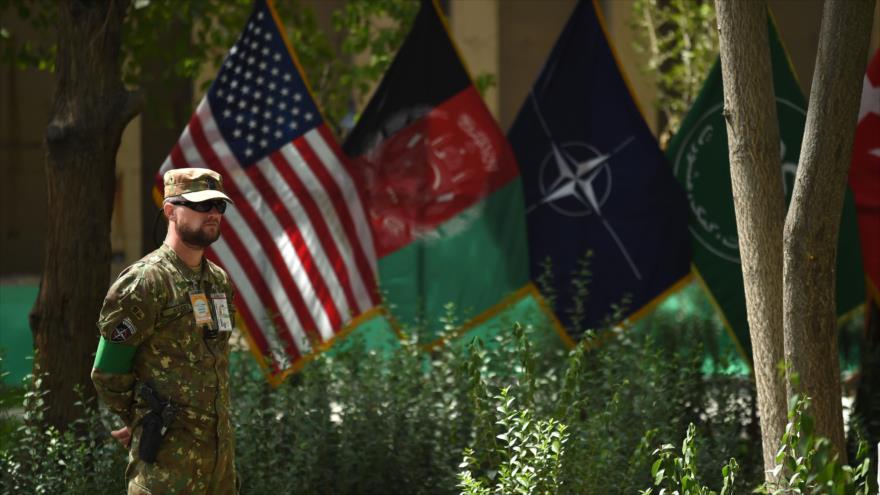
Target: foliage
(678, 474)
(531, 451)
(361, 421)
(681, 43)
(342, 62)
(42, 460)
(343, 56)
(10, 399)
(610, 405)
(484, 418)
(808, 463)
(473, 417)
(26, 53)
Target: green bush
(806, 463)
(503, 416)
(607, 408)
(83, 459)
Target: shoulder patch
(123, 331)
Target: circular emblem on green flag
(702, 165)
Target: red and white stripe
(297, 243)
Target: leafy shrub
(679, 474)
(805, 464)
(531, 454)
(608, 407)
(83, 459)
(808, 464)
(502, 416)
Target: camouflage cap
(194, 184)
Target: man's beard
(198, 237)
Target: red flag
(297, 244)
(864, 175)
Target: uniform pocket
(174, 311)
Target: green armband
(114, 358)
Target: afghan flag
(442, 187)
(699, 156)
(596, 181)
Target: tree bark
(759, 202)
(813, 221)
(89, 111)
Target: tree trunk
(89, 111)
(759, 202)
(813, 221)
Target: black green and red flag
(442, 185)
(699, 156)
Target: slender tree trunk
(759, 202)
(89, 112)
(813, 221)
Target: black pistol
(155, 423)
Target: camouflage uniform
(149, 335)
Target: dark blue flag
(596, 180)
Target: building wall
(24, 99)
(475, 27)
(527, 32)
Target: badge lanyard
(201, 309)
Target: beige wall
(513, 38)
(798, 22)
(474, 26)
(527, 31)
(618, 22)
(125, 226)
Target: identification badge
(201, 311)
(221, 309)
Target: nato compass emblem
(575, 180)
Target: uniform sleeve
(127, 319)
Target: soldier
(162, 360)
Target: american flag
(297, 244)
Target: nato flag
(596, 181)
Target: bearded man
(163, 357)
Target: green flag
(443, 188)
(699, 156)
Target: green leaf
(657, 471)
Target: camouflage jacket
(149, 334)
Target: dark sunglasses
(204, 206)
